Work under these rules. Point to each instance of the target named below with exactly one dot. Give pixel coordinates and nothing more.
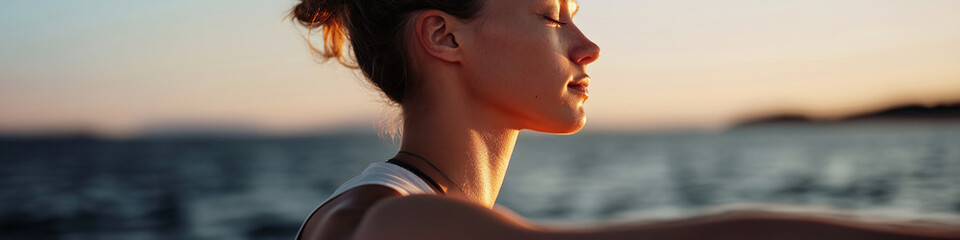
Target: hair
(375, 30)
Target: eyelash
(554, 21)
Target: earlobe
(433, 29)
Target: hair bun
(328, 16)
(312, 13)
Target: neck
(463, 142)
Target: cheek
(521, 71)
(523, 62)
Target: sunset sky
(118, 67)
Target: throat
(468, 141)
(470, 165)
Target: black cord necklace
(420, 174)
(414, 170)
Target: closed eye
(557, 22)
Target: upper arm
(431, 217)
(434, 217)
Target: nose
(584, 51)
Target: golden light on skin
(572, 7)
(665, 63)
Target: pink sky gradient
(117, 67)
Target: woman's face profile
(527, 59)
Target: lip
(580, 85)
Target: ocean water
(263, 187)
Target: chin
(574, 128)
(563, 128)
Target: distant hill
(913, 112)
(905, 113)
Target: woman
(468, 76)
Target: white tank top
(389, 175)
(385, 174)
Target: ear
(434, 33)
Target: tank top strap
(389, 175)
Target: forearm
(762, 225)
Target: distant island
(913, 112)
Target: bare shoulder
(436, 217)
(339, 217)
